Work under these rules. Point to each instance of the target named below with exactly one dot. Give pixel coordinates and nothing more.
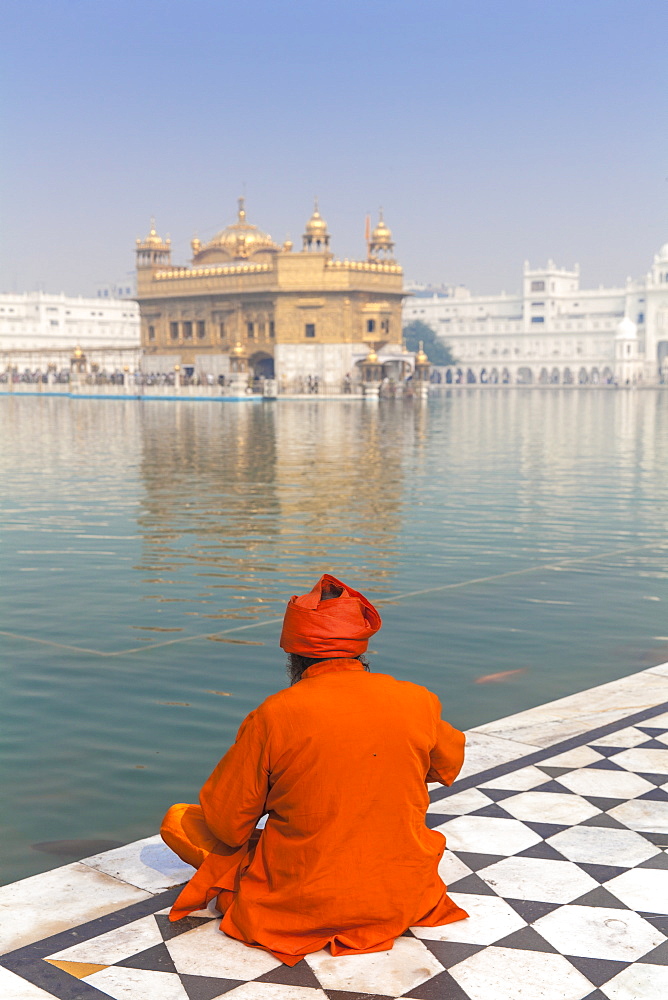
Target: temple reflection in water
(260, 499)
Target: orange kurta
(339, 762)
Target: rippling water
(149, 550)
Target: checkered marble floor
(559, 856)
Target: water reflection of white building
(554, 332)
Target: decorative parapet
(364, 265)
(209, 272)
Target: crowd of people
(301, 385)
(104, 377)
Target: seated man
(339, 761)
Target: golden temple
(291, 314)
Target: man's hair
(297, 664)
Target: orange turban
(331, 620)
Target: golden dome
(153, 240)
(316, 225)
(241, 238)
(382, 234)
(371, 358)
(237, 349)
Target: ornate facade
(40, 331)
(284, 313)
(554, 332)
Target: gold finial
(241, 215)
(380, 242)
(153, 240)
(421, 358)
(316, 221)
(316, 230)
(237, 349)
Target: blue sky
(489, 130)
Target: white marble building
(39, 330)
(554, 332)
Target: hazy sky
(489, 130)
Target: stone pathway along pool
(557, 835)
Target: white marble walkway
(557, 832)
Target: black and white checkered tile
(560, 859)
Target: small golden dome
(153, 238)
(153, 241)
(78, 353)
(371, 358)
(316, 225)
(237, 349)
(382, 234)
(421, 358)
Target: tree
(436, 350)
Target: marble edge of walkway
(56, 900)
(566, 718)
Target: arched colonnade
(524, 375)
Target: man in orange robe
(339, 761)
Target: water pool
(149, 550)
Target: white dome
(626, 330)
(663, 252)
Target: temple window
(201, 329)
(174, 331)
(221, 331)
(151, 333)
(537, 286)
(261, 331)
(272, 329)
(250, 329)
(187, 330)
(370, 325)
(309, 330)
